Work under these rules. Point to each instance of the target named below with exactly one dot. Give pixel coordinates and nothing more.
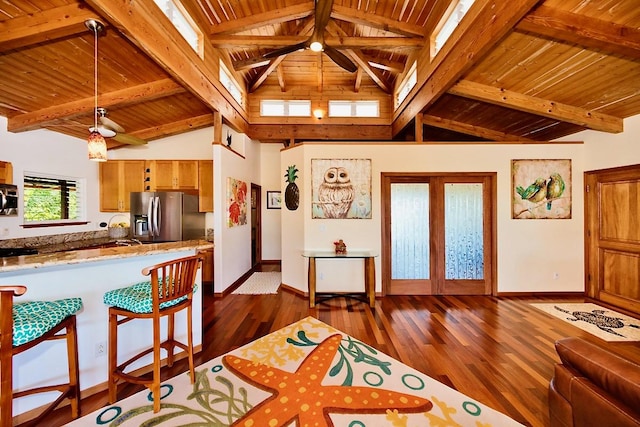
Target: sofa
(592, 386)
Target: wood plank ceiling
(524, 70)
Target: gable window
(49, 198)
(448, 24)
(354, 109)
(409, 82)
(282, 108)
(228, 82)
(183, 23)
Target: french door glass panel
(410, 231)
(464, 243)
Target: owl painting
(336, 193)
(341, 188)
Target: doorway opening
(256, 225)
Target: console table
(369, 273)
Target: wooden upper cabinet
(167, 175)
(6, 173)
(205, 185)
(118, 178)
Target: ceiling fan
(110, 129)
(106, 127)
(316, 41)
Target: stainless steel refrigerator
(166, 216)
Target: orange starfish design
(300, 395)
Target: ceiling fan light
(97, 147)
(104, 131)
(316, 46)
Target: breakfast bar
(88, 274)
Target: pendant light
(97, 146)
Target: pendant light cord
(95, 78)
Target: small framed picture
(274, 200)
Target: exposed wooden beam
(395, 67)
(358, 57)
(133, 95)
(320, 132)
(249, 63)
(486, 24)
(146, 27)
(418, 128)
(469, 129)
(583, 30)
(217, 128)
(235, 41)
(280, 73)
(358, 80)
(373, 20)
(44, 26)
(271, 17)
(303, 29)
(344, 42)
(320, 71)
(275, 63)
(534, 105)
(177, 127)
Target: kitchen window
(50, 199)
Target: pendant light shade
(97, 147)
(96, 144)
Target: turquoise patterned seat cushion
(33, 319)
(136, 298)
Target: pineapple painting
(292, 192)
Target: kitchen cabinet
(118, 178)
(205, 185)
(207, 266)
(6, 173)
(168, 175)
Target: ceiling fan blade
(108, 123)
(322, 15)
(124, 138)
(340, 59)
(285, 50)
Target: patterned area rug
(261, 283)
(599, 321)
(306, 374)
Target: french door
(438, 234)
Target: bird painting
(535, 192)
(336, 193)
(555, 188)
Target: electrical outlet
(5, 232)
(101, 348)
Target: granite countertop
(69, 256)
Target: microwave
(8, 199)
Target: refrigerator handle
(158, 215)
(150, 217)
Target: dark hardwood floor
(499, 351)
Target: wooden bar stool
(169, 291)
(25, 325)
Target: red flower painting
(236, 202)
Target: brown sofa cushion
(617, 376)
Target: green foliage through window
(51, 199)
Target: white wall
(272, 177)
(552, 246)
(48, 153)
(605, 150)
(232, 253)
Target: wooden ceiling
(524, 70)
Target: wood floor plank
(499, 351)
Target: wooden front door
(612, 236)
(438, 234)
